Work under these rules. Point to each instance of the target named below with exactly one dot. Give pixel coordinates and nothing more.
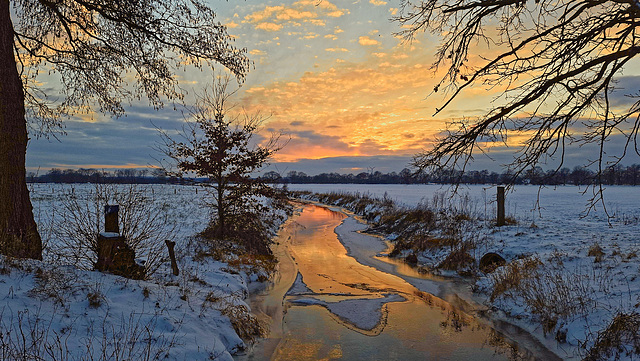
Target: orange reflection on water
(415, 326)
(323, 262)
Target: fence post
(172, 256)
(500, 198)
(111, 218)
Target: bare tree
(557, 60)
(92, 48)
(221, 146)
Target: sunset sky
(331, 77)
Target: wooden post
(172, 255)
(114, 255)
(500, 197)
(111, 218)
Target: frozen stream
(330, 302)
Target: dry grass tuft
(54, 284)
(620, 338)
(459, 259)
(550, 292)
(95, 299)
(246, 325)
(512, 275)
(596, 251)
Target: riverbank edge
(520, 331)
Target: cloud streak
(275, 18)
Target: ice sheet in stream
(298, 287)
(363, 313)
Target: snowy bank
(56, 311)
(571, 279)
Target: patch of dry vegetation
(246, 325)
(620, 338)
(596, 252)
(438, 226)
(261, 266)
(549, 291)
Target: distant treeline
(617, 175)
(82, 175)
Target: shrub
(246, 325)
(620, 338)
(251, 226)
(551, 292)
(143, 221)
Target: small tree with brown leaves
(223, 149)
(557, 60)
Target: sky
(346, 94)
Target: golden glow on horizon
(368, 108)
(364, 93)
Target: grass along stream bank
(575, 290)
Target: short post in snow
(500, 198)
(114, 255)
(111, 218)
(172, 256)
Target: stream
(334, 298)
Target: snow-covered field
(76, 314)
(587, 290)
(70, 313)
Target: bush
(620, 338)
(251, 227)
(549, 291)
(143, 222)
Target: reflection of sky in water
(413, 332)
(341, 309)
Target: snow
(70, 313)
(298, 287)
(552, 225)
(82, 313)
(363, 313)
(110, 234)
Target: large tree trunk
(18, 231)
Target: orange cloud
(352, 109)
(274, 18)
(269, 26)
(367, 41)
(257, 52)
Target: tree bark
(221, 210)
(18, 231)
